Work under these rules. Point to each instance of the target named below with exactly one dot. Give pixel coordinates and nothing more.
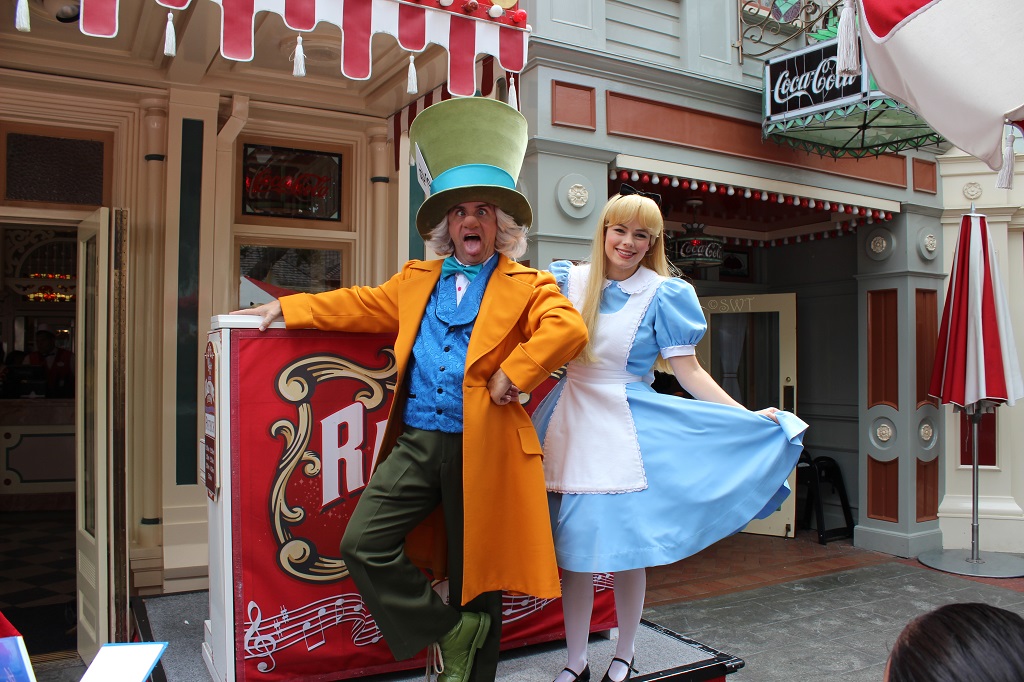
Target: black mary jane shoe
(629, 670)
(579, 677)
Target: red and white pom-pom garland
(842, 227)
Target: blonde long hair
(618, 211)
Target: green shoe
(458, 647)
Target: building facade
(833, 270)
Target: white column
(147, 274)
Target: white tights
(578, 606)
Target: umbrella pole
(995, 564)
(975, 418)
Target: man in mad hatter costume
(473, 329)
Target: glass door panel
(91, 430)
(745, 347)
(750, 350)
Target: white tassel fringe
(412, 87)
(298, 59)
(848, 63)
(21, 20)
(170, 41)
(1005, 178)
(513, 98)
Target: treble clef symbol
(259, 645)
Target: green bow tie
(451, 266)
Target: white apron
(591, 444)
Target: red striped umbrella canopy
(956, 63)
(975, 358)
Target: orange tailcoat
(528, 329)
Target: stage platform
(662, 655)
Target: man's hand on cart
(268, 312)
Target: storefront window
(291, 183)
(45, 169)
(280, 186)
(268, 272)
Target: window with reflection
(37, 311)
(269, 272)
(745, 352)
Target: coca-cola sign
(698, 248)
(291, 183)
(694, 250)
(806, 81)
(298, 186)
(701, 252)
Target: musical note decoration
(308, 624)
(311, 622)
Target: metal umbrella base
(972, 562)
(988, 565)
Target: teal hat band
(472, 174)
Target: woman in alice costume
(637, 478)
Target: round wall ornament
(879, 244)
(883, 433)
(927, 244)
(577, 195)
(573, 192)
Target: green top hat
(469, 149)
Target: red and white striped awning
(464, 29)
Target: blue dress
(637, 478)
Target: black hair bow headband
(625, 190)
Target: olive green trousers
(421, 472)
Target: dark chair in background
(817, 474)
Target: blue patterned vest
(439, 354)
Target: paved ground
(743, 562)
(833, 627)
(793, 610)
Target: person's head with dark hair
(959, 642)
(46, 340)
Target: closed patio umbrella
(975, 370)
